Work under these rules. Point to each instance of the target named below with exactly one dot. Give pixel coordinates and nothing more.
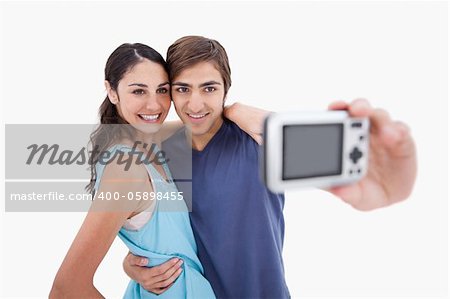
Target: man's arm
(249, 119)
(392, 160)
(156, 279)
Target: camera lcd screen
(312, 151)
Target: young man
(238, 223)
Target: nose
(151, 103)
(195, 103)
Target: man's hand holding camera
(392, 163)
(392, 160)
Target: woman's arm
(249, 119)
(75, 276)
(105, 218)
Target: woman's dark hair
(123, 59)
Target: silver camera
(314, 149)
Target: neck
(199, 142)
(139, 139)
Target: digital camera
(314, 149)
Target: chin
(148, 128)
(198, 131)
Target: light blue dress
(168, 234)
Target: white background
(284, 56)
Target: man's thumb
(137, 260)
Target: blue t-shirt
(238, 223)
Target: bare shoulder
(123, 175)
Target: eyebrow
(180, 84)
(138, 84)
(212, 82)
(146, 86)
(208, 83)
(165, 83)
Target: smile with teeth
(149, 117)
(197, 116)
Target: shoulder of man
(243, 137)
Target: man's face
(198, 94)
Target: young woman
(137, 103)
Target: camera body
(314, 149)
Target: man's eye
(162, 90)
(210, 88)
(138, 91)
(182, 89)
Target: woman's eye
(138, 91)
(210, 88)
(162, 90)
(182, 89)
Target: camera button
(355, 155)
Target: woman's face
(142, 97)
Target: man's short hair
(190, 50)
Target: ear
(112, 94)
